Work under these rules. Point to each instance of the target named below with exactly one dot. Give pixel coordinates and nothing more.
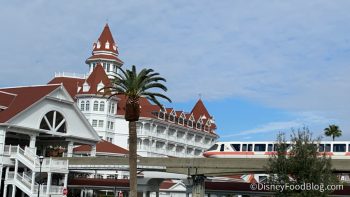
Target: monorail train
(337, 149)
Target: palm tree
(134, 86)
(333, 130)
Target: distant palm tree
(134, 86)
(333, 130)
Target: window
(214, 147)
(94, 123)
(87, 106)
(100, 123)
(222, 147)
(321, 148)
(328, 148)
(244, 147)
(82, 105)
(260, 147)
(112, 125)
(236, 147)
(199, 125)
(172, 118)
(339, 147)
(161, 115)
(190, 123)
(270, 147)
(95, 105)
(112, 108)
(250, 147)
(102, 106)
(53, 121)
(181, 121)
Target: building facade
(161, 132)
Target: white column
(33, 182)
(13, 190)
(93, 150)
(65, 180)
(70, 149)
(16, 168)
(48, 182)
(0, 175)
(5, 190)
(32, 141)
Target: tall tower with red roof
(105, 52)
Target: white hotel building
(161, 132)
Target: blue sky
(260, 66)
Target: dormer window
(198, 126)
(100, 87)
(207, 125)
(86, 87)
(161, 114)
(107, 45)
(114, 47)
(98, 45)
(190, 121)
(172, 116)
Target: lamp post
(41, 159)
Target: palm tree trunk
(333, 137)
(133, 158)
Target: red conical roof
(105, 42)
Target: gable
(76, 124)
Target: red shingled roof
(25, 97)
(71, 84)
(6, 98)
(98, 75)
(103, 147)
(146, 107)
(199, 110)
(166, 184)
(106, 36)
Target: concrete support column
(5, 190)
(146, 194)
(13, 194)
(33, 182)
(32, 141)
(70, 149)
(157, 194)
(198, 187)
(93, 150)
(65, 180)
(48, 183)
(16, 168)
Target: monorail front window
(222, 147)
(339, 147)
(236, 147)
(270, 147)
(214, 147)
(260, 147)
(321, 148)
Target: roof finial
(200, 96)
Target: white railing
(53, 189)
(67, 74)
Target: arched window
(95, 105)
(199, 125)
(190, 123)
(87, 106)
(82, 105)
(181, 121)
(54, 121)
(102, 106)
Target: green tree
(297, 163)
(135, 85)
(333, 130)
